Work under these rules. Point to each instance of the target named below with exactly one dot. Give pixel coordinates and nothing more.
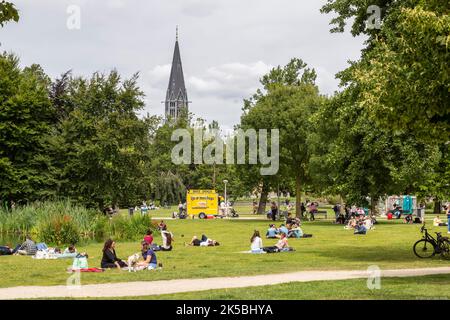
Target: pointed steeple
(176, 97)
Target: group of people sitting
(290, 230)
(360, 224)
(148, 252)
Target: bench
(319, 212)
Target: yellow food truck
(202, 203)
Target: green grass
(331, 248)
(436, 287)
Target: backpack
(80, 262)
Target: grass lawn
(435, 287)
(332, 247)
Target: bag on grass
(80, 263)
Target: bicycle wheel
(445, 249)
(424, 249)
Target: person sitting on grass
(281, 246)
(167, 239)
(256, 243)
(272, 232)
(351, 223)
(203, 242)
(408, 219)
(437, 222)
(109, 259)
(28, 248)
(368, 223)
(149, 237)
(360, 228)
(149, 256)
(282, 229)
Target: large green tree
(26, 118)
(287, 102)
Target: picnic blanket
(87, 270)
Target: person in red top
(148, 238)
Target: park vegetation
(385, 132)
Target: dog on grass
(132, 261)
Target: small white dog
(132, 261)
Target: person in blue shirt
(272, 232)
(283, 229)
(149, 256)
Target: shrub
(59, 230)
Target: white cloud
(233, 81)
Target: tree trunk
(263, 200)
(298, 196)
(372, 204)
(437, 206)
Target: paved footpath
(133, 289)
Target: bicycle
(428, 246)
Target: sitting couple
(203, 242)
(111, 261)
(167, 239)
(257, 246)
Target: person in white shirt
(256, 243)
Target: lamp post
(225, 196)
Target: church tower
(176, 97)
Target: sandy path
(187, 285)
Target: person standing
(274, 210)
(448, 219)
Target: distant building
(176, 97)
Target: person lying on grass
(109, 259)
(203, 242)
(149, 256)
(7, 251)
(272, 232)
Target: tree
(8, 12)
(102, 146)
(26, 117)
(290, 99)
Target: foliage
(8, 12)
(59, 230)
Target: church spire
(176, 97)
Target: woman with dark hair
(256, 243)
(109, 259)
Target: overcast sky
(226, 46)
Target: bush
(59, 230)
(130, 228)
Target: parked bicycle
(428, 246)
